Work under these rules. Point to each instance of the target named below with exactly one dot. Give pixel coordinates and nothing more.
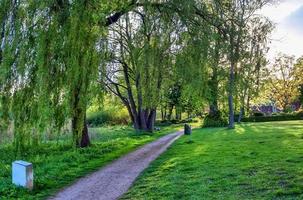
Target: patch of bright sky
(288, 35)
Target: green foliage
(54, 53)
(258, 114)
(50, 60)
(254, 161)
(58, 165)
(284, 80)
(174, 121)
(278, 117)
(109, 117)
(218, 120)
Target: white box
(22, 174)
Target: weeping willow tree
(51, 52)
(49, 59)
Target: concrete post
(22, 174)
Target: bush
(258, 114)
(110, 117)
(174, 121)
(217, 120)
(163, 123)
(277, 117)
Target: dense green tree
(284, 80)
(139, 53)
(49, 58)
(251, 71)
(53, 53)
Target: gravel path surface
(113, 180)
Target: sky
(287, 37)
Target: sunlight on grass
(254, 161)
(56, 165)
(240, 130)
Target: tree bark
(79, 126)
(1, 40)
(231, 117)
(170, 112)
(151, 120)
(85, 141)
(213, 100)
(81, 137)
(241, 114)
(248, 104)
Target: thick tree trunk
(143, 120)
(151, 120)
(80, 136)
(85, 141)
(79, 126)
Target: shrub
(217, 120)
(174, 121)
(258, 114)
(163, 123)
(278, 117)
(110, 117)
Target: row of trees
(57, 55)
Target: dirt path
(112, 181)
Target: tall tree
(283, 81)
(234, 17)
(136, 71)
(250, 73)
(49, 58)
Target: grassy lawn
(57, 164)
(254, 161)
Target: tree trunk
(178, 113)
(143, 119)
(80, 136)
(231, 118)
(151, 120)
(241, 114)
(213, 83)
(79, 126)
(85, 141)
(147, 119)
(170, 112)
(1, 40)
(213, 109)
(248, 104)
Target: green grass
(57, 164)
(254, 161)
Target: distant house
(296, 106)
(271, 108)
(266, 108)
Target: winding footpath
(113, 180)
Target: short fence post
(187, 129)
(22, 174)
